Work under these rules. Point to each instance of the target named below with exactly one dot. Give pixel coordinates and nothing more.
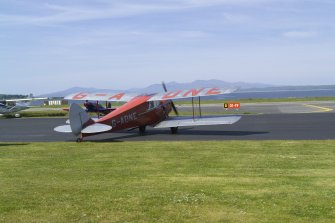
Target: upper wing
(21, 103)
(124, 97)
(191, 93)
(190, 121)
(24, 99)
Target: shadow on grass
(183, 135)
(13, 144)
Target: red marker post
(232, 105)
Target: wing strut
(193, 108)
(199, 107)
(98, 112)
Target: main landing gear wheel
(174, 130)
(142, 130)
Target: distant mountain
(290, 88)
(199, 84)
(158, 87)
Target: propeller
(171, 102)
(164, 86)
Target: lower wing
(189, 121)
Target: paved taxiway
(250, 127)
(286, 120)
(268, 108)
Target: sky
(48, 46)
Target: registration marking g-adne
(124, 119)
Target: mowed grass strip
(226, 181)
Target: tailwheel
(79, 139)
(174, 130)
(142, 130)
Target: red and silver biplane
(140, 111)
(95, 107)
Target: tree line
(12, 96)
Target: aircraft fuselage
(136, 113)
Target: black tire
(174, 130)
(142, 130)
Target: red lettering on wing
(79, 96)
(117, 96)
(171, 95)
(213, 91)
(194, 92)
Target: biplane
(96, 108)
(12, 106)
(140, 111)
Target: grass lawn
(47, 113)
(226, 181)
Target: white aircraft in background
(12, 106)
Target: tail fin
(80, 122)
(79, 119)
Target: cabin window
(153, 104)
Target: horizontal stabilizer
(94, 119)
(80, 122)
(63, 128)
(95, 128)
(189, 121)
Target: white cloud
(144, 40)
(62, 14)
(300, 34)
(225, 2)
(56, 14)
(237, 18)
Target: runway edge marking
(323, 109)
